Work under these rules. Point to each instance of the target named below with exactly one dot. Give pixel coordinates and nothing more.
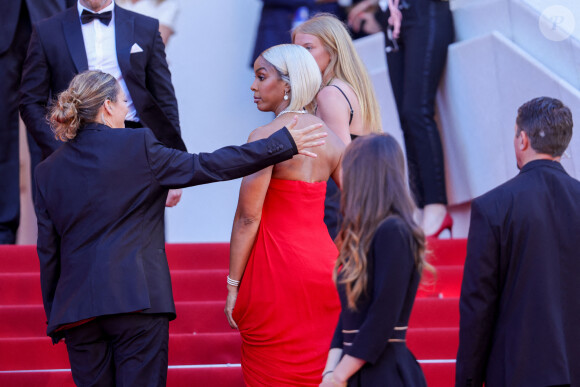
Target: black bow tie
(105, 17)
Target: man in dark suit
(520, 298)
(100, 201)
(99, 35)
(16, 18)
(277, 18)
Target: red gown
(287, 305)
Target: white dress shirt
(102, 52)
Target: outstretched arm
(176, 169)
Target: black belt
(398, 336)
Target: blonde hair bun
(80, 102)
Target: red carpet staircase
(203, 349)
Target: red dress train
(287, 305)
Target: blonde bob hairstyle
(297, 68)
(80, 103)
(345, 64)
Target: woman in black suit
(100, 202)
(418, 34)
(382, 256)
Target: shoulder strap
(349, 105)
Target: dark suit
(57, 53)
(100, 204)
(276, 20)
(16, 18)
(520, 298)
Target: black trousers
(332, 216)
(11, 62)
(415, 71)
(120, 350)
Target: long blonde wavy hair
(375, 162)
(345, 64)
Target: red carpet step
(208, 317)
(436, 375)
(203, 348)
(201, 342)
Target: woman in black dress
(382, 256)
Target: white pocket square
(135, 49)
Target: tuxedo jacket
(520, 297)
(100, 202)
(57, 53)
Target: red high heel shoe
(446, 224)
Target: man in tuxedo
(99, 35)
(16, 21)
(520, 299)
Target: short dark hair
(548, 124)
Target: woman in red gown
(285, 305)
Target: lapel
(124, 39)
(73, 34)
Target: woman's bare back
(301, 167)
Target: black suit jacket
(57, 53)
(37, 10)
(100, 202)
(520, 298)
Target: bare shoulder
(262, 132)
(329, 96)
(344, 86)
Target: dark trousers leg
(10, 72)
(332, 215)
(120, 350)
(415, 72)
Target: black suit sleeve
(34, 96)
(391, 270)
(175, 169)
(159, 81)
(479, 300)
(48, 248)
(337, 339)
